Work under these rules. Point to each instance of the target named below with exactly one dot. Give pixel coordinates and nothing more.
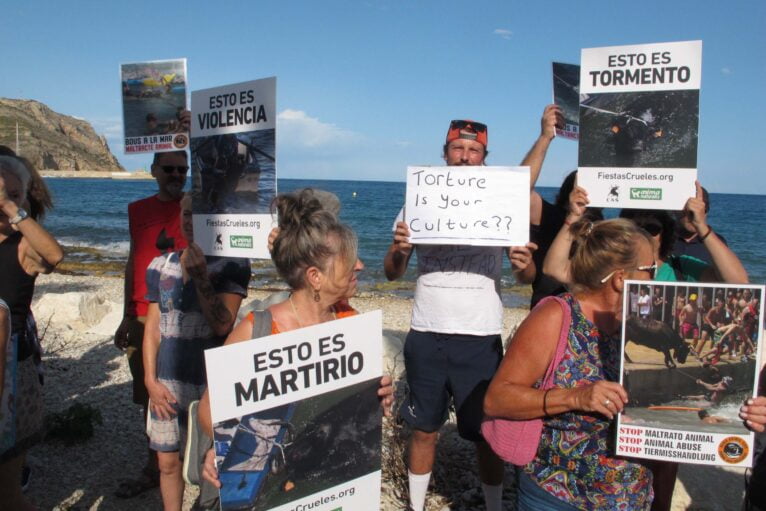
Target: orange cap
(467, 129)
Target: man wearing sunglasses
(155, 229)
(453, 347)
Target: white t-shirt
(458, 289)
(645, 305)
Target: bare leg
(664, 482)
(701, 344)
(491, 467)
(422, 451)
(171, 480)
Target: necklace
(295, 312)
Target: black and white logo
(614, 193)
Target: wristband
(709, 230)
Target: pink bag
(516, 441)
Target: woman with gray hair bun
(26, 250)
(316, 255)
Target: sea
(90, 219)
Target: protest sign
(468, 205)
(153, 98)
(639, 117)
(689, 413)
(296, 417)
(234, 175)
(566, 95)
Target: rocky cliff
(54, 141)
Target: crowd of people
(179, 302)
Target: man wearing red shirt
(154, 224)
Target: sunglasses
(180, 169)
(652, 269)
(478, 127)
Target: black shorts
(444, 366)
(135, 354)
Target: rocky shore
(78, 316)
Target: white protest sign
(639, 118)
(153, 100)
(305, 399)
(688, 414)
(472, 205)
(256, 375)
(234, 167)
(642, 67)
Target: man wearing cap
(155, 228)
(453, 347)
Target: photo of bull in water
(664, 372)
(633, 135)
(233, 173)
(646, 129)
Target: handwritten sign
(468, 205)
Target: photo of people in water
(566, 95)
(690, 354)
(639, 129)
(283, 454)
(234, 173)
(153, 97)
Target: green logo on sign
(646, 193)
(241, 241)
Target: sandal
(129, 488)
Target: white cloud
(725, 71)
(296, 128)
(503, 33)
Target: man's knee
(424, 439)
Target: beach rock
(93, 308)
(75, 310)
(393, 355)
(50, 140)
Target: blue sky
(365, 88)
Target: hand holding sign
(402, 239)
(695, 209)
(553, 118)
(521, 257)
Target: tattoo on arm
(218, 311)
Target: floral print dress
(574, 460)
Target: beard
(175, 188)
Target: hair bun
(581, 229)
